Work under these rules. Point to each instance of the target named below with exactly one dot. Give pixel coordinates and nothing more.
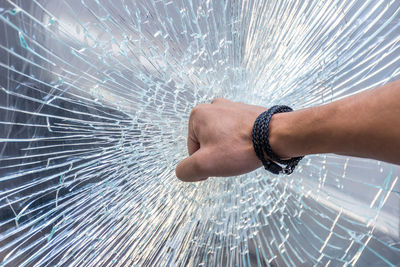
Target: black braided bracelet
(261, 143)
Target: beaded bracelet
(261, 143)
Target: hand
(220, 141)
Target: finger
(193, 168)
(192, 145)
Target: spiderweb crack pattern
(94, 102)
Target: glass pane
(94, 102)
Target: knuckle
(197, 109)
(217, 100)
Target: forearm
(220, 134)
(362, 125)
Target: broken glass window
(94, 102)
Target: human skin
(219, 142)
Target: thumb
(193, 168)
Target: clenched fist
(220, 141)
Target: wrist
(279, 135)
(302, 132)
(294, 134)
(262, 146)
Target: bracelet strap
(261, 143)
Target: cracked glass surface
(95, 97)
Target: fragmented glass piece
(95, 97)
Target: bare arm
(363, 125)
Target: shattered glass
(94, 102)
